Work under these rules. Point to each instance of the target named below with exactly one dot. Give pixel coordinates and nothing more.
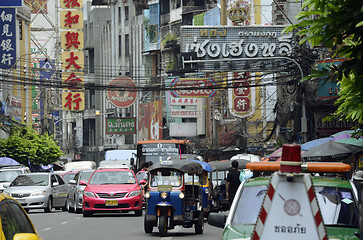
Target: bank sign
(242, 48)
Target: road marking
(46, 229)
(64, 222)
(175, 230)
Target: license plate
(111, 202)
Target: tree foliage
(338, 25)
(25, 145)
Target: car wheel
(65, 207)
(87, 213)
(199, 224)
(49, 206)
(148, 227)
(69, 207)
(138, 212)
(163, 225)
(78, 210)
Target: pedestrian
(358, 182)
(233, 181)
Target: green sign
(121, 125)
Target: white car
(39, 191)
(9, 172)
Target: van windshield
(9, 176)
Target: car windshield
(68, 176)
(112, 177)
(337, 205)
(85, 176)
(9, 176)
(31, 180)
(166, 178)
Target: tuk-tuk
(207, 186)
(174, 196)
(218, 178)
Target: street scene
(181, 119)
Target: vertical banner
(7, 37)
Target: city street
(59, 225)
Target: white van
(248, 157)
(114, 164)
(79, 165)
(9, 172)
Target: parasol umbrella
(329, 152)
(314, 143)
(352, 141)
(276, 154)
(8, 161)
(342, 132)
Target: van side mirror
(6, 185)
(83, 183)
(72, 181)
(132, 161)
(217, 219)
(54, 184)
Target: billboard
(242, 48)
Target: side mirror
(82, 183)
(6, 185)
(25, 236)
(72, 181)
(132, 161)
(217, 219)
(54, 184)
(142, 182)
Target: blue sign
(327, 88)
(47, 68)
(7, 37)
(11, 3)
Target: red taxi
(112, 190)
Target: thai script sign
(160, 149)
(7, 37)
(122, 97)
(326, 88)
(260, 48)
(193, 87)
(121, 125)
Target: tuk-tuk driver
(232, 182)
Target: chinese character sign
(37, 6)
(72, 40)
(241, 96)
(7, 37)
(73, 101)
(73, 80)
(73, 60)
(71, 4)
(71, 19)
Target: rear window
(112, 177)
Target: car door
(60, 191)
(72, 188)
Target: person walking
(233, 181)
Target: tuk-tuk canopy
(226, 165)
(185, 166)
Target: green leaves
(25, 144)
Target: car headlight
(89, 194)
(37, 193)
(134, 193)
(147, 195)
(181, 195)
(164, 195)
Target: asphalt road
(59, 225)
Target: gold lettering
(204, 33)
(213, 33)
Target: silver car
(75, 190)
(39, 191)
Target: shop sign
(193, 87)
(241, 96)
(260, 48)
(73, 101)
(11, 3)
(326, 88)
(183, 101)
(183, 113)
(7, 37)
(121, 125)
(122, 92)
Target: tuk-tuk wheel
(163, 225)
(148, 227)
(199, 224)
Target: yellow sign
(72, 40)
(73, 101)
(71, 19)
(73, 60)
(73, 80)
(71, 4)
(360, 161)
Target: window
(127, 47)
(14, 220)
(119, 14)
(60, 180)
(91, 55)
(119, 46)
(126, 13)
